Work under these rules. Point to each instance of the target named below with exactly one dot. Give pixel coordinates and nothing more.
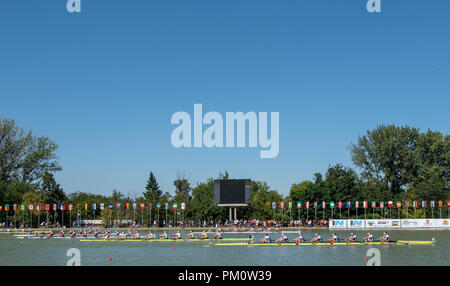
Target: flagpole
(150, 223)
(70, 218)
(150, 218)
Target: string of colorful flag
(142, 206)
(70, 207)
(357, 204)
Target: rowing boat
(399, 242)
(164, 240)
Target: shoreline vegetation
(392, 164)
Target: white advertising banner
(356, 223)
(341, 223)
(442, 223)
(389, 223)
(382, 223)
(425, 223)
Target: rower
(164, 235)
(61, 233)
(50, 235)
(218, 235)
(317, 239)
(150, 235)
(137, 236)
(300, 238)
(369, 238)
(334, 238)
(386, 237)
(203, 235)
(176, 235)
(266, 239)
(352, 238)
(250, 239)
(191, 235)
(283, 239)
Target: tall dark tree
(51, 191)
(153, 193)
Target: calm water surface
(53, 252)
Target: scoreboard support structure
(233, 209)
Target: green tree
(153, 193)
(202, 205)
(24, 157)
(402, 157)
(182, 186)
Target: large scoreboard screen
(232, 192)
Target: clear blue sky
(103, 84)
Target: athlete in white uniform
(300, 238)
(318, 238)
(369, 238)
(176, 235)
(334, 238)
(266, 239)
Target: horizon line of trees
(394, 164)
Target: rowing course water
(42, 252)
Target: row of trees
(392, 163)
